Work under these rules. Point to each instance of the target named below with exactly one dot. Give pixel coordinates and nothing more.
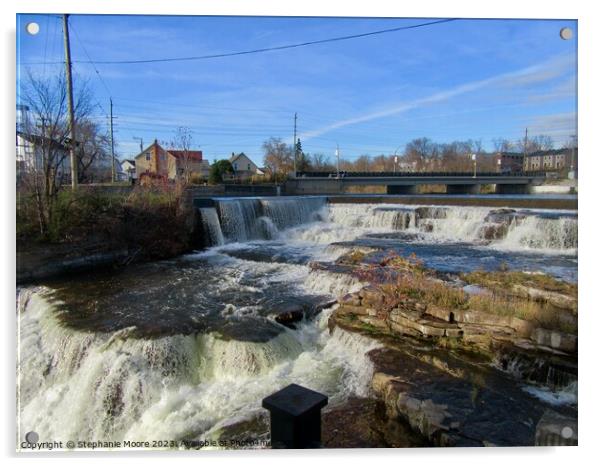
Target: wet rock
(289, 318)
(452, 411)
(554, 371)
(430, 212)
(555, 429)
(427, 227)
(247, 433)
(493, 231)
(362, 423)
(238, 329)
(504, 216)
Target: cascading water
(180, 348)
(247, 219)
(110, 386)
(211, 226)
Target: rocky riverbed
(450, 365)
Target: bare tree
(47, 132)
(535, 143)
(182, 143)
(94, 150)
(502, 145)
(321, 163)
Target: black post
(295, 420)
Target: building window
(148, 156)
(249, 167)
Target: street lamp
(395, 158)
(474, 162)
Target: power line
(265, 49)
(81, 42)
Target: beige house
(170, 164)
(243, 166)
(553, 160)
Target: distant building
(31, 149)
(509, 162)
(244, 167)
(157, 162)
(128, 167)
(557, 161)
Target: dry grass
(352, 257)
(542, 315)
(505, 280)
(406, 280)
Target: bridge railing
(344, 174)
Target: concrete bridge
(407, 183)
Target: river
(178, 349)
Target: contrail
(540, 72)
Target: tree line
(419, 155)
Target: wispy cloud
(538, 73)
(555, 124)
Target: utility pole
(338, 168)
(141, 143)
(295, 147)
(72, 155)
(525, 161)
(112, 141)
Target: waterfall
(211, 226)
(535, 232)
(111, 386)
(504, 229)
(238, 218)
(247, 219)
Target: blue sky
(479, 79)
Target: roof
(133, 162)
(548, 152)
(233, 158)
(187, 154)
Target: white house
(128, 167)
(30, 153)
(243, 166)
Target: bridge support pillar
(402, 189)
(513, 188)
(463, 188)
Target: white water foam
(108, 386)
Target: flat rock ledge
(474, 329)
(437, 372)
